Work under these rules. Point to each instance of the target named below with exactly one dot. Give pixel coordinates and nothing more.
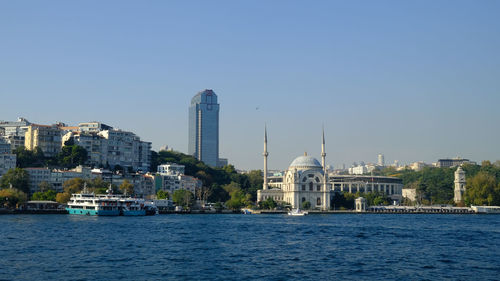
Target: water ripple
(236, 247)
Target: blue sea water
(250, 247)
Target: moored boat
(297, 212)
(109, 204)
(132, 207)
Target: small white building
(360, 204)
(410, 194)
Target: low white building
(417, 166)
(410, 194)
(361, 169)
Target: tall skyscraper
(381, 161)
(204, 127)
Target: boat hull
(135, 213)
(93, 212)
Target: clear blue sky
(414, 80)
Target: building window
(318, 201)
(304, 179)
(317, 179)
(303, 199)
(303, 187)
(318, 187)
(310, 186)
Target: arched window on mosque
(311, 186)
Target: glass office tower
(204, 127)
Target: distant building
(171, 178)
(453, 162)
(417, 166)
(111, 147)
(391, 186)
(222, 162)
(459, 185)
(381, 161)
(361, 169)
(13, 132)
(36, 177)
(171, 169)
(15, 128)
(47, 137)
(7, 159)
(204, 128)
(143, 183)
(93, 127)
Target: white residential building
(13, 132)
(7, 159)
(171, 169)
(110, 147)
(171, 178)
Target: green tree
(269, 203)
(482, 189)
(127, 188)
(74, 185)
(49, 195)
(218, 206)
(99, 186)
(162, 194)
(72, 156)
(182, 197)
(11, 197)
(238, 200)
(218, 194)
(16, 177)
(27, 158)
(255, 180)
(63, 197)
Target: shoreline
(256, 212)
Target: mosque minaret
(265, 154)
(326, 191)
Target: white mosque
(306, 180)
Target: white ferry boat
(109, 204)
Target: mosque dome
(305, 162)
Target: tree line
(436, 185)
